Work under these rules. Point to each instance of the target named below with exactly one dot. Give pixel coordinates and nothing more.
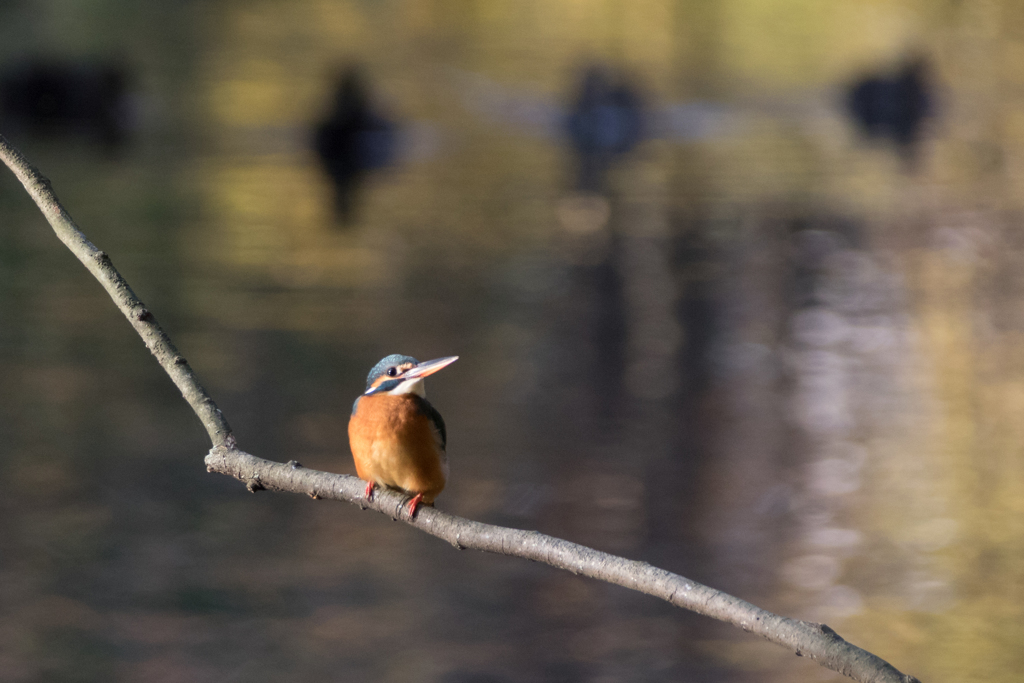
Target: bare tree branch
(816, 641)
(98, 263)
(807, 639)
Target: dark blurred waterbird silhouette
(894, 106)
(606, 121)
(353, 140)
(608, 117)
(47, 98)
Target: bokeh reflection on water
(751, 346)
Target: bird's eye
(392, 371)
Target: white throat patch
(414, 386)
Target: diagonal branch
(816, 641)
(98, 263)
(807, 639)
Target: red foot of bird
(415, 501)
(369, 490)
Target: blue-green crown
(385, 363)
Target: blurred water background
(738, 289)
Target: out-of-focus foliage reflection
(753, 345)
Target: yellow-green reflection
(894, 511)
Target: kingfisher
(397, 438)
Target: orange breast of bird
(394, 444)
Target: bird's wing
(436, 422)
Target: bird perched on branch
(397, 438)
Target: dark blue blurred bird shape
(607, 115)
(894, 106)
(606, 120)
(353, 140)
(52, 98)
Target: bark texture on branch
(807, 639)
(816, 641)
(98, 263)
